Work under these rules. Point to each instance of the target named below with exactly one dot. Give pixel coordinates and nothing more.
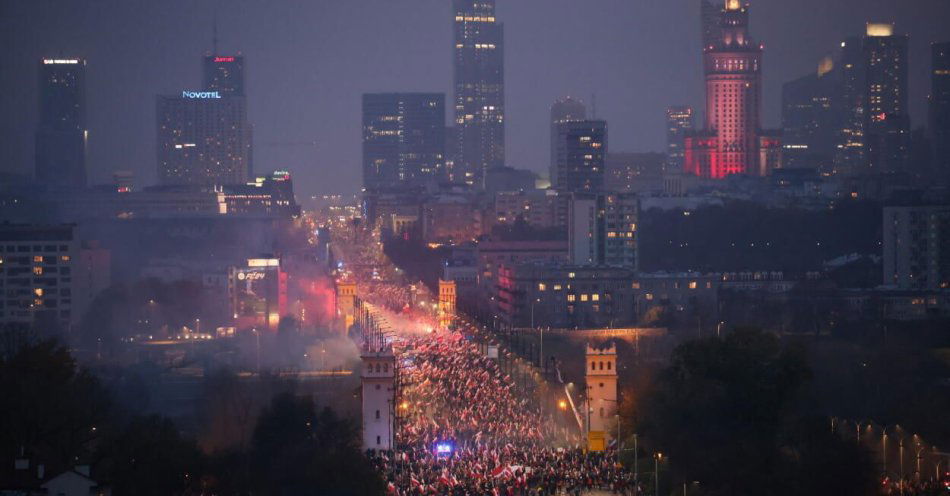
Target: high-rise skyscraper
(568, 109)
(886, 122)
(810, 119)
(710, 13)
(849, 147)
(733, 141)
(479, 90)
(224, 74)
(203, 139)
(581, 151)
(679, 122)
(940, 107)
(564, 110)
(61, 137)
(403, 139)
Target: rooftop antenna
(214, 36)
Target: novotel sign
(200, 94)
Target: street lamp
(656, 473)
(902, 465)
(619, 439)
(636, 458)
(257, 334)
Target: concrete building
(602, 229)
(917, 247)
(491, 255)
(540, 209)
(580, 149)
(564, 296)
(48, 276)
(940, 108)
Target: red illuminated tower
(733, 141)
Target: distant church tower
(601, 394)
(379, 394)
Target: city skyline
(627, 93)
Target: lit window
(37, 259)
(595, 297)
(571, 297)
(542, 286)
(557, 287)
(38, 291)
(649, 296)
(583, 297)
(571, 275)
(37, 271)
(692, 285)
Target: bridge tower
(346, 303)
(601, 378)
(378, 380)
(447, 299)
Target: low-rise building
(490, 255)
(564, 296)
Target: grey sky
(308, 62)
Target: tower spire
(214, 34)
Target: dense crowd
(465, 430)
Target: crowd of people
(464, 429)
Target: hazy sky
(308, 62)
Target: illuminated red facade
(733, 141)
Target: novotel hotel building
(204, 139)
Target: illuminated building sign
(224, 59)
(251, 276)
(60, 61)
(200, 94)
(263, 262)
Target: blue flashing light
(443, 448)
